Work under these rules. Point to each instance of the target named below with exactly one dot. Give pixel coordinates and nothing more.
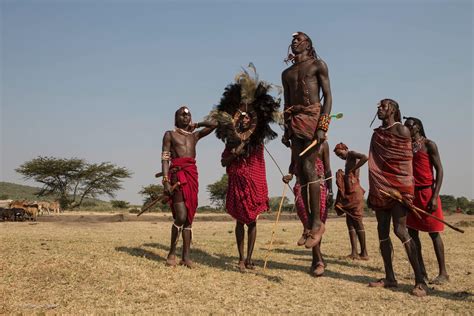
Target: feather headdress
(247, 95)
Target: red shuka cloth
(300, 209)
(351, 198)
(390, 167)
(187, 175)
(423, 173)
(247, 191)
(302, 120)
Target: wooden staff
(274, 227)
(397, 197)
(344, 211)
(314, 143)
(163, 198)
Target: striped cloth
(390, 167)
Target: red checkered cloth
(300, 209)
(247, 191)
(390, 167)
(185, 171)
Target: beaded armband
(165, 179)
(324, 121)
(166, 155)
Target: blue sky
(100, 80)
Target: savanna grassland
(110, 263)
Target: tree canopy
(151, 192)
(217, 191)
(72, 180)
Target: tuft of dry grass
(86, 264)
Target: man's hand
(433, 204)
(329, 200)
(320, 136)
(167, 188)
(287, 178)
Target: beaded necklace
(417, 144)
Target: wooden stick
(309, 147)
(158, 199)
(343, 210)
(274, 227)
(417, 209)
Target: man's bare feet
(383, 283)
(440, 279)
(241, 266)
(419, 290)
(303, 238)
(353, 256)
(363, 257)
(171, 261)
(314, 236)
(187, 263)
(317, 270)
(249, 265)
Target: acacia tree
(218, 191)
(152, 192)
(73, 180)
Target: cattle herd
(14, 210)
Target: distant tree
(151, 192)
(274, 203)
(218, 191)
(448, 202)
(463, 203)
(73, 180)
(119, 204)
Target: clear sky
(101, 80)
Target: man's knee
(252, 224)
(434, 235)
(401, 232)
(180, 214)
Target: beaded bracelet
(323, 123)
(166, 155)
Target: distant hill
(15, 191)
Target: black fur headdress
(247, 96)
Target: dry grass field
(110, 263)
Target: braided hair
(395, 106)
(418, 123)
(312, 51)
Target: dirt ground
(114, 263)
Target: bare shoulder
(431, 145)
(322, 66)
(402, 130)
(285, 72)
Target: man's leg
(360, 229)
(416, 239)
(239, 236)
(187, 237)
(352, 237)
(179, 220)
(438, 245)
(317, 265)
(312, 188)
(399, 215)
(252, 236)
(383, 229)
